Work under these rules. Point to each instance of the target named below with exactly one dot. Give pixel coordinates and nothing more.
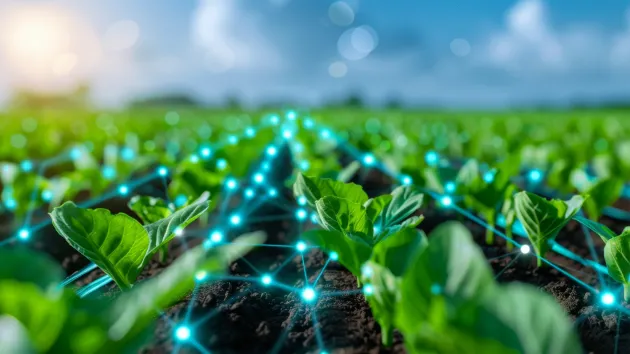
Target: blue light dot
(314, 219)
(109, 173)
(162, 171)
(291, 115)
(259, 178)
(368, 289)
(266, 279)
(297, 147)
(301, 200)
(249, 193)
(368, 159)
(308, 294)
(75, 153)
(525, 249)
(181, 200)
(406, 180)
(233, 139)
(436, 289)
(10, 203)
(305, 165)
(324, 133)
(446, 201)
(366, 270)
(235, 219)
(123, 190)
(231, 183)
(272, 192)
(535, 175)
(272, 151)
(607, 298)
(194, 158)
(217, 236)
(287, 134)
(250, 132)
(488, 177)
(182, 333)
(431, 158)
(308, 123)
(300, 246)
(301, 214)
(201, 275)
(47, 195)
(449, 187)
(265, 166)
(376, 230)
(24, 234)
(221, 164)
(26, 165)
(127, 153)
(274, 119)
(179, 231)
(334, 256)
(205, 152)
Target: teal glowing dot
(300, 246)
(607, 298)
(10, 203)
(308, 294)
(233, 139)
(201, 275)
(75, 153)
(436, 289)
(162, 171)
(446, 201)
(194, 158)
(235, 219)
(221, 164)
(368, 289)
(291, 115)
(323, 352)
(301, 214)
(406, 180)
(449, 187)
(488, 177)
(249, 193)
(334, 256)
(272, 192)
(368, 159)
(272, 151)
(250, 132)
(266, 279)
(534, 175)
(274, 119)
(127, 153)
(217, 236)
(181, 200)
(431, 158)
(123, 190)
(301, 200)
(308, 123)
(207, 244)
(525, 249)
(265, 166)
(305, 165)
(182, 333)
(26, 165)
(366, 270)
(205, 152)
(376, 229)
(297, 147)
(324, 133)
(287, 134)
(47, 195)
(24, 234)
(231, 184)
(314, 218)
(109, 173)
(259, 178)
(179, 231)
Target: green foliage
(313, 189)
(150, 209)
(602, 194)
(543, 219)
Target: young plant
(43, 317)
(601, 195)
(118, 244)
(542, 219)
(509, 214)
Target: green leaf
(600, 229)
(398, 250)
(347, 217)
(602, 194)
(14, 337)
(150, 209)
(617, 256)
(41, 316)
(133, 310)
(542, 218)
(348, 172)
(375, 206)
(163, 231)
(468, 175)
(353, 251)
(412, 222)
(27, 266)
(383, 299)
(313, 189)
(115, 243)
(406, 200)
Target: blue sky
(457, 53)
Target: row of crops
(199, 231)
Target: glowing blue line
(95, 285)
(79, 274)
(318, 333)
(250, 265)
(321, 272)
(198, 346)
(304, 268)
(283, 336)
(506, 267)
(503, 255)
(7, 241)
(217, 309)
(286, 261)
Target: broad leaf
(406, 200)
(346, 174)
(383, 298)
(602, 194)
(115, 243)
(375, 206)
(398, 250)
(600, 229)
(353, 251)
(313, 189)
(150, 209)
(337, 214)
(617, 256)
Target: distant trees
(77, 98)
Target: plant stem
(387, 335)
(490, 233)
(163, 253)
(358, 282)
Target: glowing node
(334, 256)
(201, 275)
(182, 333)
(179, 232)
(449, 187)
(221, 164)
(108, 172)
(325, 133)
(368, 159)
(534, 175)
(47, 195)
(259, 178)
(24, 234)
(308, 294)
(431, 157)
(287, 134)
(266, 279)
(272, 151)
(607, 299)
(305, 165)
(250, 132)
(406, 180)
(525, 249)
(301, 214)
(446, 201)
(75, 153)
(300, 246)
(207, 244)
(265, 166)
(127, 154)
(301, 200)
(180, 200)
(162, 171)
(194, 158)
(436, 289)
(323, 352)
(376, 229)
(314, 219)
(308, 123)
(249, 193)
(123, 190)
(231, 184)
(368, 289)
(274, 119)
(233, 139)
(11, 204)
(272, 192)
(366, 270)
(488, 177)
(26, 165)
(217, 236)
(291, 115)
(205, 152)
(235, 219)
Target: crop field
(327, 231)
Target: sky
(456, 53)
